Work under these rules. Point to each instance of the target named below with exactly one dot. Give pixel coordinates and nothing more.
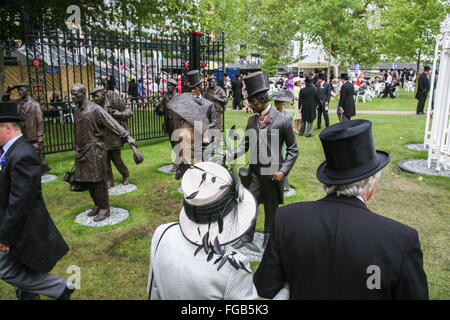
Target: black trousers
(421, 103)
(302, 128)
(321, 109)
(238, 103)
(388, 90)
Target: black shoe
(309, 135)
(66, 294)
(301, 134)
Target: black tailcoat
(323, 250)
(307, 102)
(25, 224)
(347, 99)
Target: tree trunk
(2, 70)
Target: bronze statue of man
(33, 126)
(162, 110)
(113, 103)
(216, 94)
(91, 124)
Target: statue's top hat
(9, 113)
(172, 82)
(350, 153)
(193, 78)
(256, 83)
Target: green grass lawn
(114, 260)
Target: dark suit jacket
(210, 112)
(236, 87)
(424, 86)
(307, 102)
(323, 250)
(262, 140)
(25, 224)
(324, 93)
(347, 99)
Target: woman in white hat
(297, 114)
(194, 258)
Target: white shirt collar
(10, 143)
(266, 109)
(360, 198)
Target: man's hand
(4, 248)
(131, 141)
(279, 176)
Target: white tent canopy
(317, 59)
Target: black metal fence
(136, 67)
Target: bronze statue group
(322, 249)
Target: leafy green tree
(410, 28)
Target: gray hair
(353, 189)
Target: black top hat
(193, 78)
(322, 76)
(256, 83)
(426, 68)
(350, 153)
(344, 76)
(9, 113)
(308, 80)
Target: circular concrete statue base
(121, 189)
(291, 192)
(416, 147)
(420, 166)
(117, 215)
(167, 168)
(258, 239)
(48, 177)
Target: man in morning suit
(324, 92)
(265, 134)
(335, 247)
(422, 90)
(347, 98)
(195, 85)
(30, 244)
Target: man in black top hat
(265, 135)
(195, 85)
(336, 248)
(346, 104)
(307, 102)
(324, 93)
(422, 90)
(30, 243)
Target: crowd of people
(310, 250)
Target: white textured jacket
(178, 275)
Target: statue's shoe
(102, 215)
(93, 212)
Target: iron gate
(138, 65)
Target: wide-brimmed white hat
(213, 202)
(296, 79)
